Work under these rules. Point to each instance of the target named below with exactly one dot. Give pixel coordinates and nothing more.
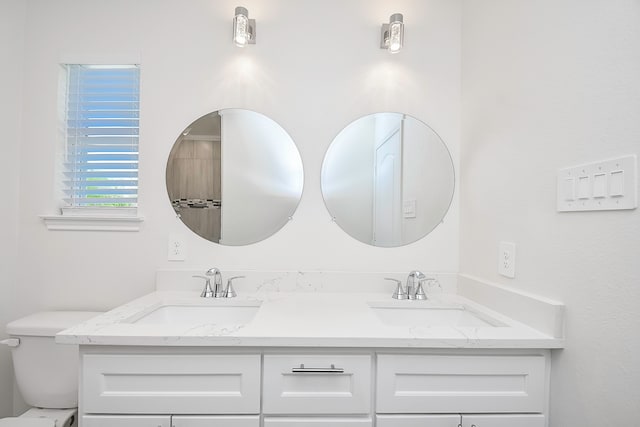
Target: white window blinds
(102, 115)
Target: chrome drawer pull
(331, 370)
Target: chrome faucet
(217, 291)
(413, 291)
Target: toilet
(46, 372)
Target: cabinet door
(515, 420)
(418, 420)
(317, 422)
(126, 421)
(215, 421)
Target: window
(100, 171)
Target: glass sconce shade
(392, 37)
(243, 28)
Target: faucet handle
(230, 292)
(420, 294)
(207, 292)
(399, 292)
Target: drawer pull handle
(331, 370)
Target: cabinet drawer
(521, 420)
(215, 421)
(453, 383)
(170, 383)
(507, 420)
(307, 385)
(130, 421)
(418, 421)
(170, 421)
(317, 422)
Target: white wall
(548, 84)
(303, 73)
(12, 16)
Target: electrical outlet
(507, 259)
(177, 248)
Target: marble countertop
(304, 319)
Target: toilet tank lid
(48, 323)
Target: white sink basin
(422, 313)
(221, 313)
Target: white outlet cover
(507, 259)
(177, 247)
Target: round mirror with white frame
(234, 177)
(388, 179)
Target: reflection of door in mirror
(194, 177)
(387, 226)
(388, 179)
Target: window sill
(92, 222)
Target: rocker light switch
(583, 187)
(617, 184)
(569, 189)
(604, 185)
(599, 185)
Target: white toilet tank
(46, 372)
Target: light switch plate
(605, 185)
(409, 208)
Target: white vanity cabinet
(302, 387)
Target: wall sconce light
(244, 29)
(392, 34)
